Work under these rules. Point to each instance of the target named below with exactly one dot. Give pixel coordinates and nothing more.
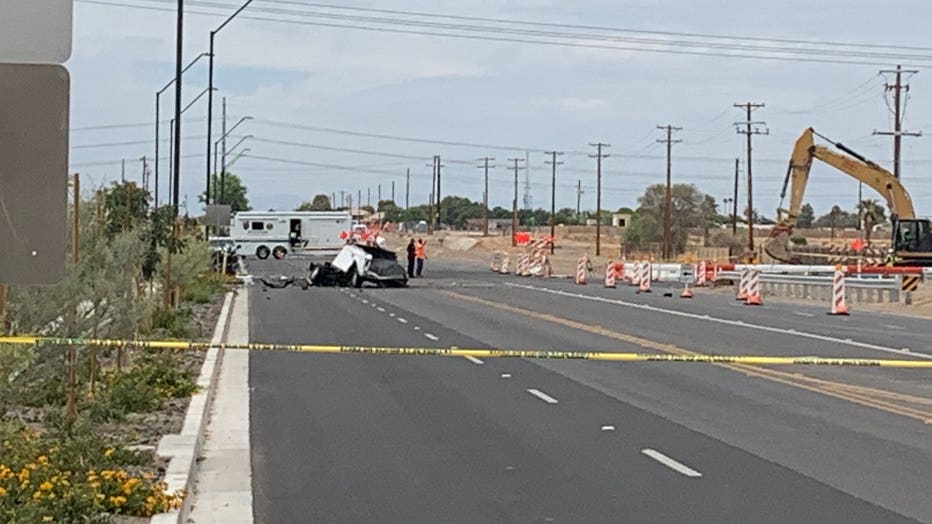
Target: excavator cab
(912, 241)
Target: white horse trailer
(278, 233)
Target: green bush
(798, 240)
(143, 388)
(205, 287)
(173, 323)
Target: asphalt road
(354, 438)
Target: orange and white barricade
(754, 293)
(644, 278)
(700, 274)
(504, 269)
(743, 284)
(581, 270)
(496, 264)
(839, 307)
(610, 274)
(620, 271)
(521, 264)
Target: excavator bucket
(778, 247)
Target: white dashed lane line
(543, 396)
(402, 320)
(431, 336)
(670, 463)
(381, 310)
(474, 360)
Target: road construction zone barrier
(743, 284)
(504, 269)
(581, 269)
(700, 274)
(521, 264)
(700, 358)
(644, 278)
(496, 264)
(620, 271)
(610, 274)
(754, 294)
(838, 294)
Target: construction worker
(420, 255)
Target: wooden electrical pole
(668, 197)
(514, 203)
(751, 128)
(485, 196)
(734, 210)
(553, 195)
(408, 189)
(897, 87)
(598, 194)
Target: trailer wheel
(279, 252)
(262, 252)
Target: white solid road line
(430, 336)
(474, 360)
(402, 320)
(543, 396)
(670, 463)
(771, 329)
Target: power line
(534, 37)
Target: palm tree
(872, 213)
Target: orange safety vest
(419, 251)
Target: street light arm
(230, 19)
(237, 157)
(189, 66)
(198, 97)
(241, 120)
(237, 144)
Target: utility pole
(369, 196)
(223, 148)
(528, 202)
(734, 210)
(598, 194)
(379, 194)
(430, 201)
(553, 194)
(176, 161)
(408, 189)
(358, 201)
(145, 173)
(485, 196)
(579, 194)
(342, 199)
(898, 102)
(439, 212)
(514, 203)
(751, 128)
(123, 171)
(668, 198)
(393, 191)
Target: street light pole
(210, 82)
(179, 51)
(158, 125)
(553, 196)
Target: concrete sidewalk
(223, 492)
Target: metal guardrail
(870, 288)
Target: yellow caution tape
(480, 353)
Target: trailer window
(258, 226)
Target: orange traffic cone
(687, 293)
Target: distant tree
(806, 216)
(499, 212)
(566, 216)
(837, 217)
(368, 209)
(391, 212)
(126, 204)
(320, 203)
(234, 192)
(690, 208)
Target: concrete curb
(184, 449)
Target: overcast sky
(520, 97)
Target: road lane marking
(402, 320)
(726, 321)
(801, 314)
(884, 400)
(474, 360)
(608, 428)
(391, 315)
(431, 336)
(670, 463)
(892, 326)
(382, 310)
(543, 396)
(417, 328)
(506, 375)
(364, 301)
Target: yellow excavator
(911, 243)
